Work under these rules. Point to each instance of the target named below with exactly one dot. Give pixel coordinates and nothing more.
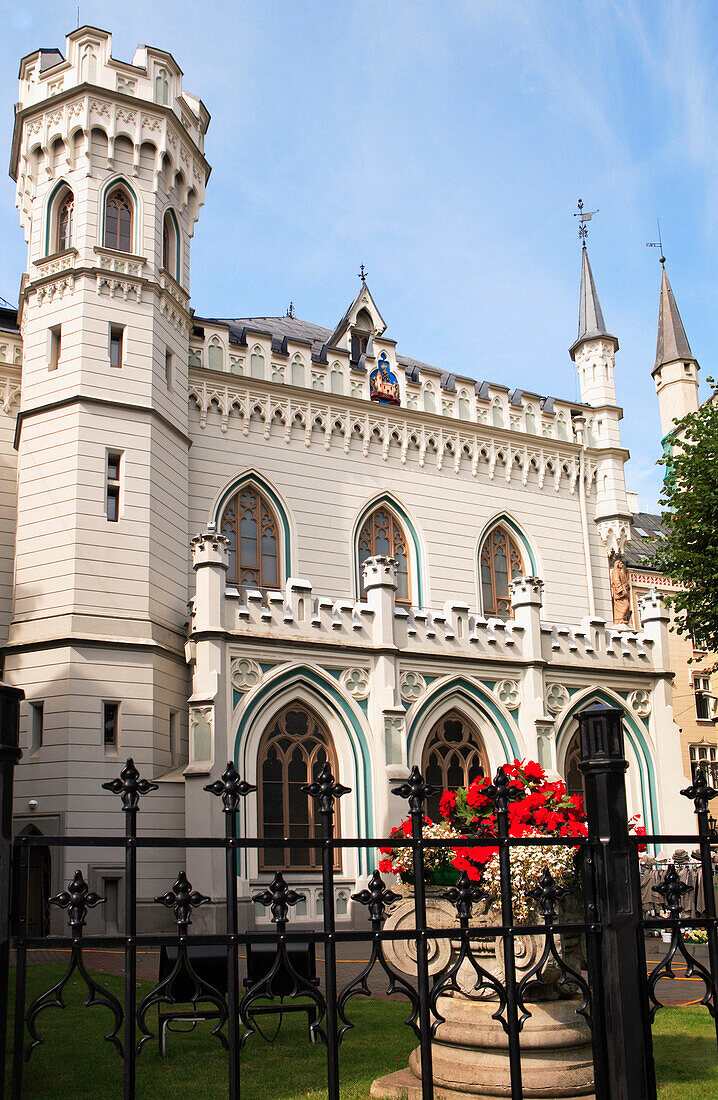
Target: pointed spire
(672, 343)
(591, 324)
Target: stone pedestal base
(470, 1055)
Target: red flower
(577, 801)
(447, 805)
(533, 770)
(385, 864)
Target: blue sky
(443, 144)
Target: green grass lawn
(75, 1063)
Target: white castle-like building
(264, 540)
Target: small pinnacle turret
(675, 371)
(672, 343)
(591, 325)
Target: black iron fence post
(701, 793)
(623, 1016)
(9, 755)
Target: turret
(594, 350)
(676, 369)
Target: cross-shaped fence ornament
(377, 896)
(501, 791)
(547, 892)
(278, 896)
(416, 790)
(130, 786)
(183, 899)
(700, 792)
(230, 788)
(77, 899)
(325, 788)
(672, 889)
(464, 895)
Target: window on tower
(361, 333)
(118, 221)
(249, 522)
(170, 245)
(65, 217)
(500, 561)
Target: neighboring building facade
(388, 564)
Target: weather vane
(658, 243)
(584, 216)
(363, 273)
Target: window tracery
(291, 754)
(454, 755)
(500, 561)
(249, 523)
(382, 534)
(118, 221)
(572, 772)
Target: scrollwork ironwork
(672, 889)
(77, 899)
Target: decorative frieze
(467, 447)
(614, 533)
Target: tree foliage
(689, 553)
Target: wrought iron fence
(615, 993)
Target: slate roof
(8, 319)
(282, 328)
(590, 315)
(640, 551)
(672, 343)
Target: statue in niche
(620, 592)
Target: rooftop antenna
(583, 216)
(78, 17)
(290, 311)
(658, 244)
(362, 274)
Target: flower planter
(470, 1049)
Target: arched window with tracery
(381, 533)
(118, 221)
(249, 522)
(454, 755)
(292, 753)
(500, 561)
(170, 245)
(572, 773)
(65, 222)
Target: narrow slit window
(110, 724)
(65, 217)
(114, 462)
(116, 345)
(168, 368)
(55, 347)
(37, 726)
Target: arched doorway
(454, 755)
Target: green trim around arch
(478, 697)
(513, 526)
(355, 734)
(267, 489)
(120, 181)
(173, 218)
(388, 500)
(49, 208)
(646, 768)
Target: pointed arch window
(170, 246)
(530, 420)
(65, 222)
(337, 379)
(382, 534)
(256, 362)
(249, 522)
(118, 221)
(363, 328)
(297, 372)
(572, 772)
(464, 406)
(429, 398)
(215, 354)
(454, 755)
(500, 561)
(497, 413)
(292, 753)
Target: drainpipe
(579, 427)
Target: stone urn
(470, 1049)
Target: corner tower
(676, 368)
(594, 353)
(108, 158)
